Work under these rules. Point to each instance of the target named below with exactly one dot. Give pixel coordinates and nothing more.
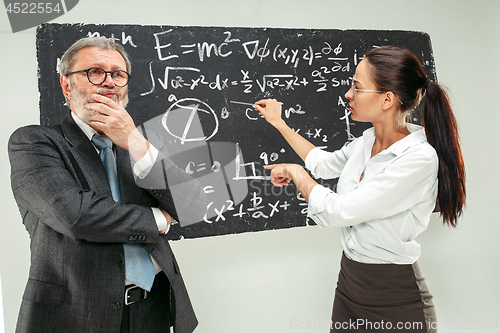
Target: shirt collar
(416, 136)
(86, 129)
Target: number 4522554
(32, 8)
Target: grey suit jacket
(76, 278)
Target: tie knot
(101, 142)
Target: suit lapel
(91, 165)
(86, 157)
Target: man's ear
(65, 86)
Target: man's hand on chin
(112, 120)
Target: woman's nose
(348, 94)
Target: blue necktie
(138, 266)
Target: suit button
(132, 238)
(117, 306)
(121, 264)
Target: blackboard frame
(175, 67)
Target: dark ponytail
(442, 133)
(399, 71)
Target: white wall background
(267, 282)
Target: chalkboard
(185, 80)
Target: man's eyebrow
(113, 67)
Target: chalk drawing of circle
(193, 106)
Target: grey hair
(71, 55)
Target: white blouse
(381, 215)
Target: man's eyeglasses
(98, 75)
(352, 90)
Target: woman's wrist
(281, 126)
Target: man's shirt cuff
(160, 219)
(145, 164)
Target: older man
(96, 203)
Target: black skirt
(382, 298)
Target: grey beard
(79, 100)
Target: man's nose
(108, 80)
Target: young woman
(390, 180)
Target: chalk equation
(333, 57)
(189, 78)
